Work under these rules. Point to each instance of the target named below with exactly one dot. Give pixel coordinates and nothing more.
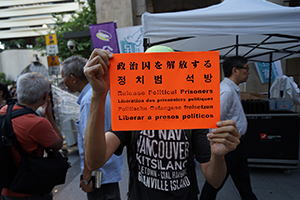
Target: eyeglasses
(246, 68)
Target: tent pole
(270, 73)
(236, 45)
(145, 43)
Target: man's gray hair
(74, 65)
(31, 87)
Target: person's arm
(214, 171)
(47, 111)
(223, 139)
(87, 174)
(81, 126)
(98, 146)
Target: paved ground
(268, 184)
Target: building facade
(28, 19)
(20, 23)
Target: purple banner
(104, 36)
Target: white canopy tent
(257, 29)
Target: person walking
(236, 71)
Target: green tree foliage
(15, 44)
(79, 21)
(3, 78)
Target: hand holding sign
(97, 71)
(224, 138)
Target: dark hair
(231, 62)
(3, 87)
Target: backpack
(8, 168)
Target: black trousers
(108, 191)
(237, 167)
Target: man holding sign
(160, 161)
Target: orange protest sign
(156, 91)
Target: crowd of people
(219, 151)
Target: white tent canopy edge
(257, 29)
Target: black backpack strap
(8, 117)
(6, 131)
(8, 124)
(34, 152)
(24, 111)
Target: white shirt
(231, 105)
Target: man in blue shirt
(75, 80)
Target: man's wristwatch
(85, 182)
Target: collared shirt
(231, 105)
(113, 168)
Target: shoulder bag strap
(8, 124)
